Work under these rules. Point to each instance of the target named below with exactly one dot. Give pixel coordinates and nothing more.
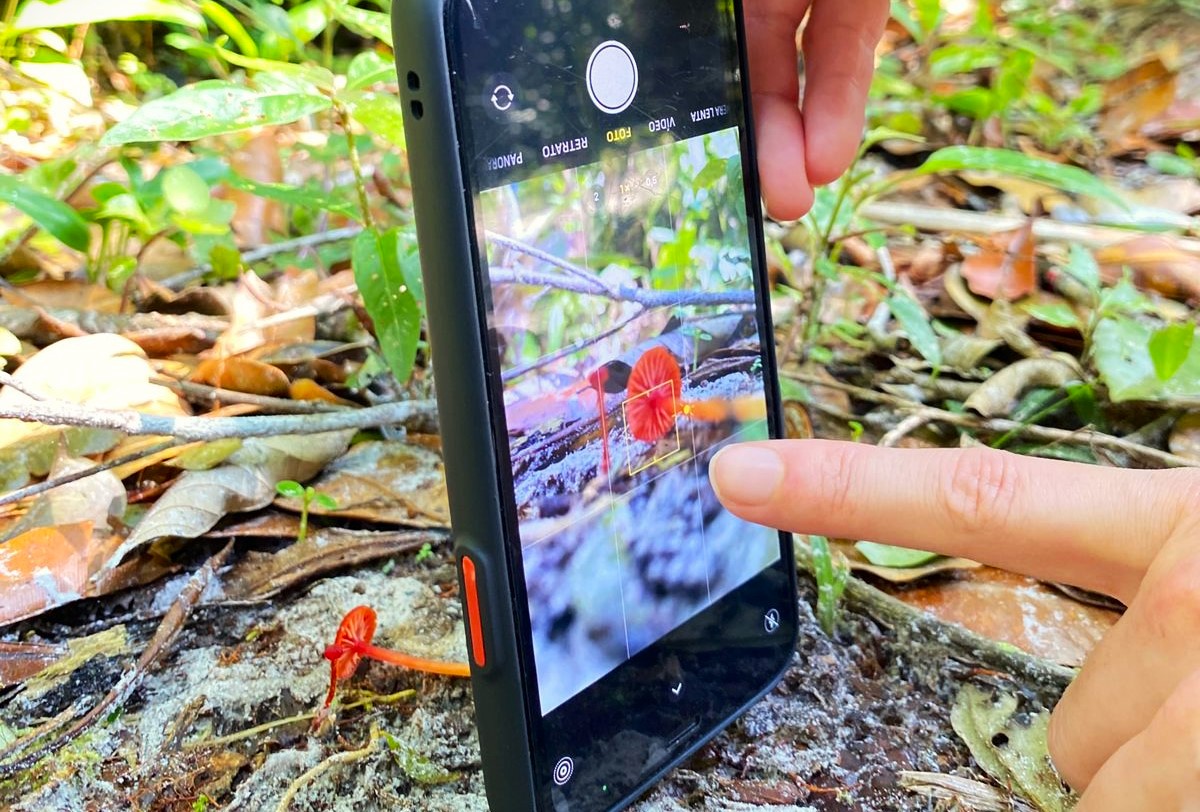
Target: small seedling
(353, 642)
(425, 552)
(290, 489)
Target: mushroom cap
(356, 631)
(655, 386)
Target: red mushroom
(353, 642)
(655, 386)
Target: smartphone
(590, 234)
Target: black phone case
(457, 326)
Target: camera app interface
(623, 311)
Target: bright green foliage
(36, 14)
(885, 555)
(1170, 347)
(387, 271)
(915, 321)
(832, 576)
(1018, 164)
(216, 107)
(307, 496)
(56, 217)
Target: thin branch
(181, 280)
(624, 293)
(583, 343)
(212, 394)
(57, 413)
(904, 428)
(1079, 437)
(172, 624)
(66, 479)
(9, 380)
(345, 757)
(588, 276)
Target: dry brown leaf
(242, 375)
(1158, 264)
(51, 566)
(70, 294)
(257, 575)
(199, 499)
(1185, 437)
(1017, 610)
(999, 394)
(98, 499)
(1005, 267)
(1134, 100)
(255, 218)
(384, 481)
(308, 389)
(104, 371)
(20, 661)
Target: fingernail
(746, 475)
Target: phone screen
(607, 150)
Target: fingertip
(786, 190)
(746, 476)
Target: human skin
(1127, 731)
(804, 146)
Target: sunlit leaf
(185, 190)
(213, 108)
(69, 13)
(1169, 348)
(367, 69)
(230, 25)
(985, 159)
(309, 197)
(60, 220)
(374, 24)
(392, 305)
(1084, 268)
(1121, 351)
(885, 555)
(381, 114)
(915, 321)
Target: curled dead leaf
(242, 375)
(1158, 262)
(1136, 99)
(998, 395)
(1006, 265)
(1185, 437)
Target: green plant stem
(1047, 410)
(302, 533)
(360, 184)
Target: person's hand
(1127, 731)
(797, 148)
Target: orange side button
(474, 616)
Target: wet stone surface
(849, 714)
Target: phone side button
(474, 615)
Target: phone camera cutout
(418, 109)
(414, 81)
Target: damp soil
(851, 713)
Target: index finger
(1095, 527)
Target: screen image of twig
(623, 311)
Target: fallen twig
(58, 413)
(66, 479)
(624, 293)
(1078, 437)
(345, 757)
(941, 220)
(172, 624)
(213, 394)
(180, 280)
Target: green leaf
(69, 13)
(885, 555)
(961, 57)
(1169, 348)
(374, 24)
(388, 299)
(308, 197)
(986, 159)
(1084, 268)
(368, 68)
(230, 25)
(290, 489)
(381, 114)
(308, 19)
(325, 501)
(185, 190)
(915, 321)
(56, 217)
(1059, 314)
(1170, 164)
(212, 108)
(1121, 351)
